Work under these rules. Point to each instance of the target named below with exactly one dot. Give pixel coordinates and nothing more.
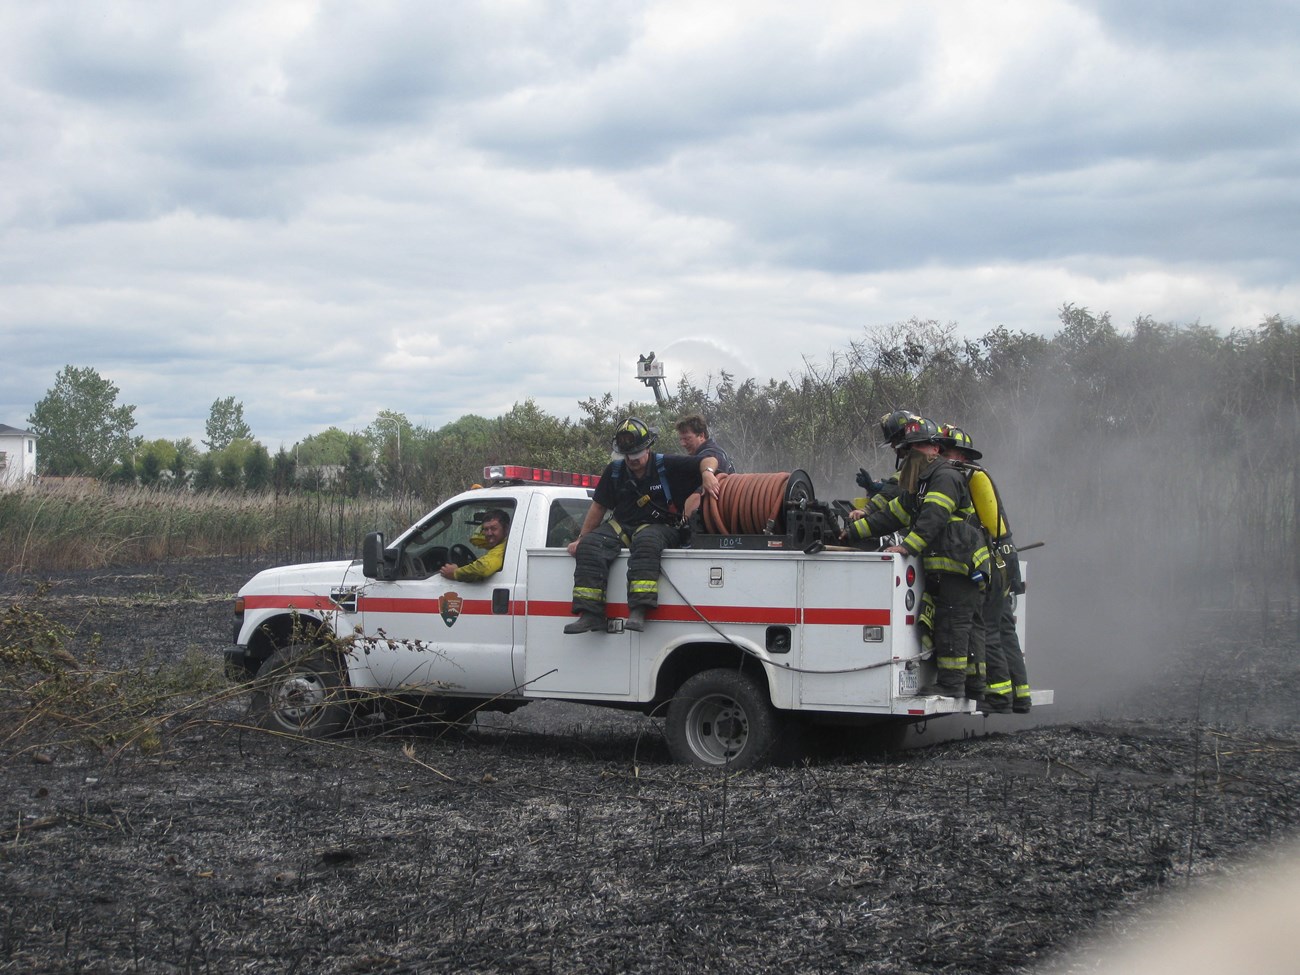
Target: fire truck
(765, 625)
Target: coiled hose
(747, 504)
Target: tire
(722, 718)
(301, 691)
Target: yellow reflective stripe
(942, 500)
(1001, 687)
(581, 592)
(899, 511)
(937, 563)
(914, 542)
(879, 502)
(1022, 690)
(643, 585)
(951, 663)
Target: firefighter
(644, 492)
(881, 492)
(1006, 680)
(956, 446)
(930, 504)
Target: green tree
(226, 424)
(124, 472)
(152, 459)
(81, 428)
(150, 470)
(327, 448)
(230, 471)
(284, 472)
(390, 437)
(186, 457)
(257, 469)
(205, 474)
(358, 471)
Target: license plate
(907, 682)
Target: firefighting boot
(587, 623)
(635, 619)
(995, 704)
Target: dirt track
(559, 839)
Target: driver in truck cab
(495, 527)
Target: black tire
(722, 718)
(301, 691)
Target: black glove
(864, 479)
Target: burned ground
(559, 839)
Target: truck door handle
(500, 602)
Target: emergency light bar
(538, 475)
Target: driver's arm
(488, 564)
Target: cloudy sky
(325, 209)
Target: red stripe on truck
(763, 615)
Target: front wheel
(300, 691)
(722, 717)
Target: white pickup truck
(756, 633)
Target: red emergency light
(538, 475)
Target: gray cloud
(326, 209)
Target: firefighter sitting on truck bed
(935, 504)
(645, 491)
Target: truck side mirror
(372, 555)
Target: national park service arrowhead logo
(449, 604)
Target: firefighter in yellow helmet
(931, 507)
(1006, 679)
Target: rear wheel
(301, 691)
(722, 718)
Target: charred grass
(560, 839)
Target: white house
(17, 454)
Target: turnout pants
(956, 604)
(597, 551)
(1008, 679)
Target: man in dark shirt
(643, 492)
(693, 435)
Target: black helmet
(956, 439)
(920, 430)
(633, 435)
(891, 426)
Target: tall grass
(63, 526)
